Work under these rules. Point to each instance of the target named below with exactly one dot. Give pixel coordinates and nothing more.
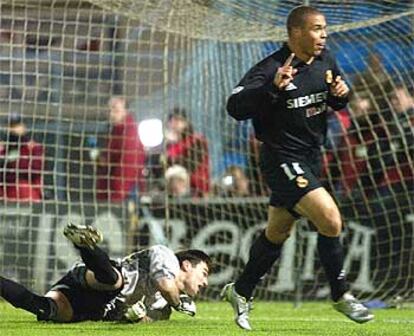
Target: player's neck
(308, 59)
(179, 281)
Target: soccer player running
(141, 287)
(287, 95)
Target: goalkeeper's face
(312, 36)
(196, 277)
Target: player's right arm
(164, 267)
(169, 290)
(180, 302)
(159, 314)
(150, 309)
(259, 86)
(284, 74)
(253, 90)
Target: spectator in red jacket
(349, 165)
(392, 158)
(376, 152)
(190, 150)
(121, 164)
(21, 164)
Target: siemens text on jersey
(313, 98)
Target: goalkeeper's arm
(169, 290)
(171, 293)
(138, 312)
(159, 314)
(118, 310)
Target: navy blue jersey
(291, 120)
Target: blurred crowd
(369, 151)
(370, 147)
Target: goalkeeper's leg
(44, 308)
(101, 275)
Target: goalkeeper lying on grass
(143, 286)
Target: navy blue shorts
(87, 303)
(288, 176)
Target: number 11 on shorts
(297, 170)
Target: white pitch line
(398, 321)
(302, 319)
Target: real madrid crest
(328, 76)
(302, 182)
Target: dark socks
(331, 255)
(98, 262)
(263, 254)
(20, 297)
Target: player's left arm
(338, 90)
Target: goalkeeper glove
(115, 310)
(136, 312)
(186, 305)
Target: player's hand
(136, 312)
(285, 73)
(186, 305)
(339, 88)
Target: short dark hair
(178, 112)
(194, 257)
(391, 87)
(181, 113)
(15, 119)
(120, 97)
(298, 15)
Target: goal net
(175, 62)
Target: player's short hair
(194, 257)
(298, 15)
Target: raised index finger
(289, 59)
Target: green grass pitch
(215, 318)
